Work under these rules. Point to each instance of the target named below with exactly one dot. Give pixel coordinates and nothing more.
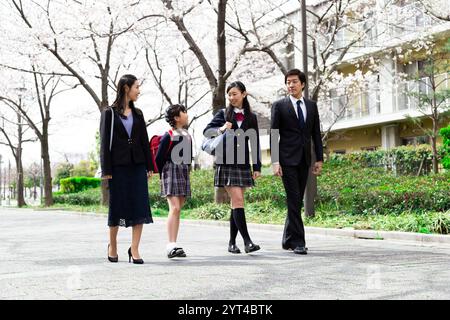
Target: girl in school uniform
(234, 173)
(173, 159)
(126, 164)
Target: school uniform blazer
(164, 153)
(125, 150)
(295, 142)
(250, 122)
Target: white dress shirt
(237, 110)
(302, 106)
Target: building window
(372, 148)
(339, 151)
(414, 141)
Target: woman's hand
(227, 125)
(106, 177)
(256, 175)
(149, 174)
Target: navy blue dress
(129, 203)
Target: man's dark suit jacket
(294, 141)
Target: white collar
(237, 110)
(294, 100)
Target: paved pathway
(57, 255)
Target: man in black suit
(297, 121)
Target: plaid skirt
(175, 180)
(227, 176)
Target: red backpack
(154, 145)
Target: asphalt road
(57, 255)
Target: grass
(348, 197)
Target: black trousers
(294, 180)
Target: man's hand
(277, 170)
(256, 175)
(149, 174)
(106, 177)
(317, 169)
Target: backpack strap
(170, 132)
(112, 129)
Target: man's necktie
(300, 114)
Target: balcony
(407, 101)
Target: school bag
(154, 145)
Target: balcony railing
(395, 22)
(362, 104)
(406, 100)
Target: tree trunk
(435, 155)
(48, 196)
(19, 166)
(311, 188)
(105, 193)
(20, 184)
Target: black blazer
(164, 153)
(294, 141)
(250, 122)
(125, 150)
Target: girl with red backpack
(173, 160)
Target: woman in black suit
(235, 172)
(126, 163)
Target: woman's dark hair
(246, 105)
(172, 112)
(295, 72)
(125, 80)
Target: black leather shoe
(287, 247)
(251, 247)
(112, 259)
(135, 261)
(176, 252)
(232, 248)
(301, 250)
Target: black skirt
(129, 203)
(233, 176)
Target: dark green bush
(77, 184)
(445, 133)
(86, 198)
(404, 160)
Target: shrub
(445, 133)
(86, 198)
(77, 184)
(404, 160)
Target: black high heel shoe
(112, 259)
(135, 261)
(251, 247)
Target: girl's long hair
(125, 80)
(246, 105)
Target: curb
(420, 238)
(347, 233)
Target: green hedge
(77, 184)
(445, 133)
(91, 197)
(404, 160)
(355, 190)
(346, 188)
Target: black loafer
(232, 248)
(301, 250)
(176, 252)
(251, 247)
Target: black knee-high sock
(239, 219)
(233, 229)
